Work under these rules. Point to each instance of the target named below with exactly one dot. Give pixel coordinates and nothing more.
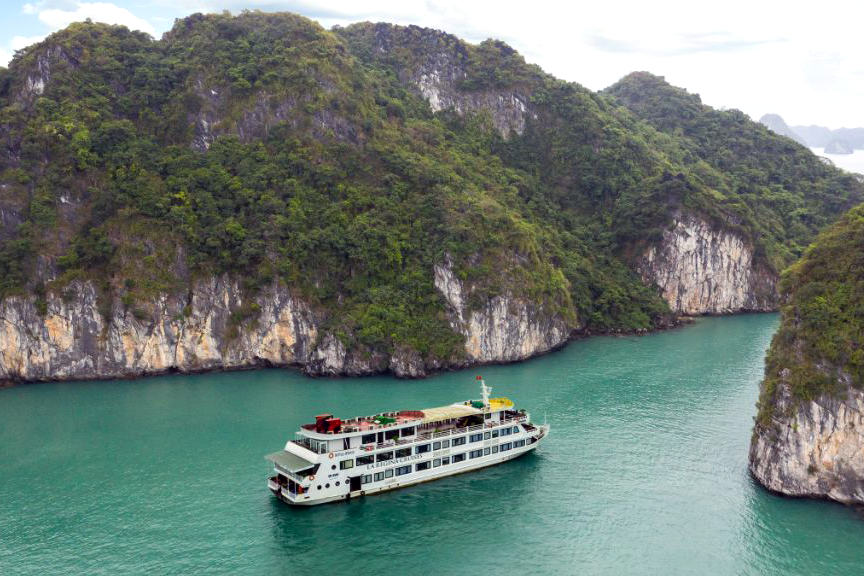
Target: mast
(484, 390)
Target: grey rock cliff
(700, 269)
(72, 339)
(206, 330)
(504, 329)
(442, 70)
(813, 448)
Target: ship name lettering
(394, 461)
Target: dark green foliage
(266, 148)
(822, 334)
(771, 188)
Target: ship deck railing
(434, 435)
(431, 435)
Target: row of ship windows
(445, 461)
(424, 448)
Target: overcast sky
(799, 59)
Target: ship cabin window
(402, 470)
(494, 449)
(422, 466)
(422, 449)
(379, 476)
(391, 434)
(364, 460)
(445, 443)
(436, 462)
(409, 431)
(346, 443)
(436, 445)
(486, 435)
(519, 444)
(368, 439)
(476, 437)
(382, 456)
(319, 446)
(486, 451)
(445, 461)
(403, 452)
(494, 433)
(515, 429)
(476, 453)
(367, 478)
(506, 446)
(505, 431)
(487, 416)
(459, 441)
(458, 458)
(388, 473)
(346, 464)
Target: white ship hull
(333, 460)
(435, 473)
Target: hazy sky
(799, 59)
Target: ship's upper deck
(326, 425)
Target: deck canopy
(289, 461)
(448, 412)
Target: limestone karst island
(328, 240)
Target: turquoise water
(644, 473)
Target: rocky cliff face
(211, 328)
(215, 327)
(440, 73)
(813, 448)
(504, 329)
(702, 270)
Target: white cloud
(57, 15)
(17, 43)
(106, 12)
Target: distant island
(777, 125)
(839, 147)
(839, 141)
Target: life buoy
(330, 455)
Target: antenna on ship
(484, 390)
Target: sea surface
(645, 472)
(851, 162)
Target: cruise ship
(335, 459)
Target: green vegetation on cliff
(819, 348)
(267, 148)
(773, 190)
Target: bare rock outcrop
(505, 329)
(702, 269)
(812, 448)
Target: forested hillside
(362, 170)
(806, 440)
(776, 191)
